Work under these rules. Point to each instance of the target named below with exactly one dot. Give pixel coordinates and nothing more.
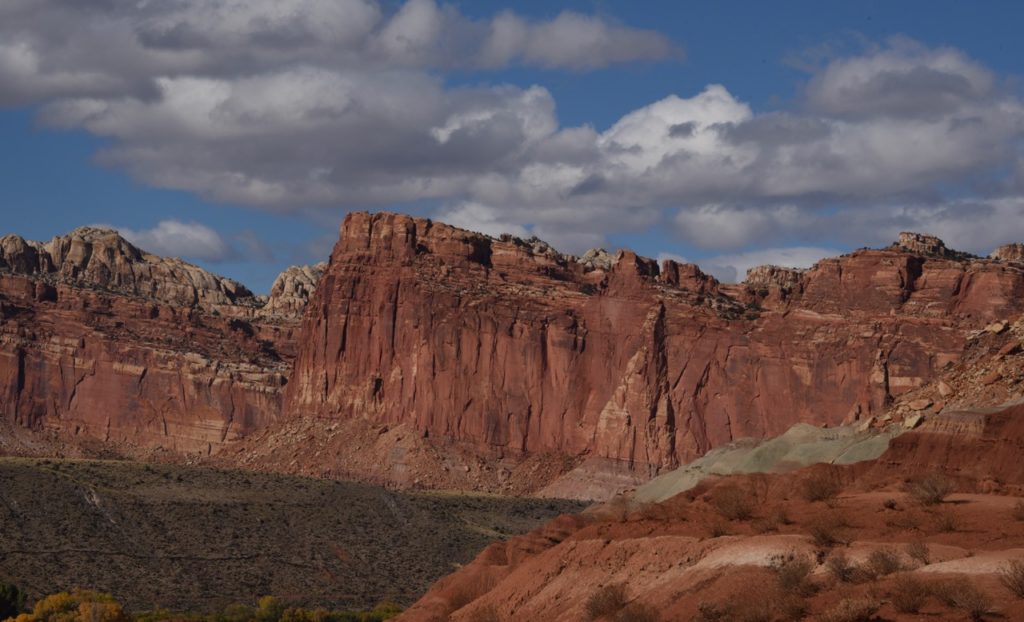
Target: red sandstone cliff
(513, 349)
(100, 340)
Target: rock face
(292, 290)
(774, 276)
(100, 258)
(1009, 252)
(922, 244)
(101, 340)
(490, 344)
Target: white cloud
(58, 48)
(299, 104)
(173, 238)
(478, 217)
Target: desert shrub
(931, 489)
(919, 552)
(637, 612)
(842, 569)
(733, 503)
(76, 606)
(269, 609)
(826, 532)
(819, 487)
(717, 528)
(606, 601)
(965, 596)
(890, 504)
(1017, 512)
(12, 601)
(947, 521)
(1012, 576)
(851, 610)
(909, 593)
(883, 562)
(793, 573)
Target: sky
(238, 133)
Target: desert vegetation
(199, 539)
(931, 489)
(92, 606)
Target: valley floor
(190, 538)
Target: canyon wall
(100, 340)
(507, 346)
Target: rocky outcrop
(102, 259)
(292, 290)
(980, 446)
(486, 344)
(101, 340)
(773, 276)
(922, 244)
(1009, 252)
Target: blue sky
(788, 161)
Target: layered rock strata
(491, 344)
(101, 340)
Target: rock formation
(292, 290)
(773, 276)
(494, 345)
(101, 340)
(101, 259)
(1009, 252)
(922, 244)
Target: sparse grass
(919, 552)
(606, 601)
(1012, 577)
(909, 593)
(851, 610)
(930, 489)
(733, 503)
(883, 562)
(820, 487)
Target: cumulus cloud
(297, 104)
(173, 238)
(55, 48)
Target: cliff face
(100, 340)
(489, 343)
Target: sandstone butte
(421, 337)
(100, 340)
